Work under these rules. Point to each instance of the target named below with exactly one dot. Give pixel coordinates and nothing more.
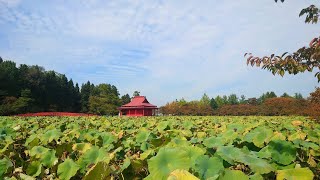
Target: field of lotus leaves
(95, 148)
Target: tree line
(32, 89)
(268, 104)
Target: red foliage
(54, 114)
(283, 106)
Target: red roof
(139, 101)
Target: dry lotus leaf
(297, 123)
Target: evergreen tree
(220, 102)
(213, 104)
(205, 99)
(86, 91)
(136, 93)
(298, 96)
(285, 95)
(125, 99)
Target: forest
(32, 89)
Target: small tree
(285, 95)
(136, 93)
(298, 96)
(213, 104)
(242, 99)
(205, 99)
(233, 99)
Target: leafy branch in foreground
(304, 59)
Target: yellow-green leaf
(295, 174)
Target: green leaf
(5, 164)
(30, 139)
(107, 138)
(293, 174)
(51, 135)
(256, 165)
(208, 167)
(142, 136)
(234, 174)
(49, 159)
(264, 153)
(166, 161)
(193, 152)
(67, 169)
(259, 136)
(162, 126)
(282, 152)
(263, 136)
(187, 125)
(232, 154)
(126, 164)
(81, 147)
(256, 177)
(281, 72)
(229, 153)
(93, 156)
(38, 151)
(100, 171)
(145, 154)
(213, 142)
(181, 175)
(34, 169)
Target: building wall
(137, 112)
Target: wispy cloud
(165, 49)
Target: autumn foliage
(274, 106)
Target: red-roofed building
(139, 106)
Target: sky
(167, 50)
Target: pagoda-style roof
(138, 102)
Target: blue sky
(164, 49)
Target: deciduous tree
(304, 59)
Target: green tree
(213, 104)
(271, 94)
(205, 99)
(298, 96)
(242, 99)
(266, 95)
(23, 103)
(9, 78)
(136, 93)
(233, 99)
(304, 59)
(225, 99)
(285, 95)
(125, 99)
(220, 102)
(104, 100)
(86, 90)
(101, 105)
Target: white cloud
(184, 48)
